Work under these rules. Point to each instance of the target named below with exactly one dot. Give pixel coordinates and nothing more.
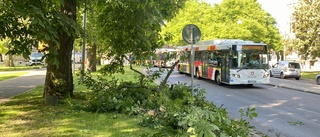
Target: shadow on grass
(26, 115)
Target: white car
(36, 59)
(286, 69)
(318, 79)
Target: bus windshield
(252, 60)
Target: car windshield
(36, 55)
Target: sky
(281, 10)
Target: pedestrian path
(303, 85)
(18, 85)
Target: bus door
(205, 64)
(225, 69)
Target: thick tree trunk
(92, 57)
(59, 79)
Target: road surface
(282, 112)
(18, 85)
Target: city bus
(165, 57)
(230, 61)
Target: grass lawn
(26, 115)
(17, 68)
(6, 76)
(309, 75)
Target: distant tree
(194, 12)
(306, 26)
(232, 19)
(92, 38)
(3, 49)
(132, 28)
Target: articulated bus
(230, 61)
(163, 59)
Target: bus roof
(219, 44)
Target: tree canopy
(27, 22)
(306, 26)
(122, 26)
(231, 19)
(132, 27)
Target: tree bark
(92, 57)
(1, 58)
(9, 62)
(59, 79)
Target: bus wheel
(249, 85)
(217, 79)
(179, 69)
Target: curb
(297, 89)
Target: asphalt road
(18, 85)
(283, 112)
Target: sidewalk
(303, 85)
(18, 85)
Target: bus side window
(211, 59)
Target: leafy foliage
(232, 19)
(25, 23)
(132, 27)
(305, 24)
(3, 48)
(173, 109)
(28, 22)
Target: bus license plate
(251, 81)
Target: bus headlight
(266, 74)
(236, 75)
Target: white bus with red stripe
(164, 57)
(230, 61)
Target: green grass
(26, 115)
(129, 75)
(10, 75)
(309, 75)
(17, 68)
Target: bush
(173, 108)
(113, 95)
(193, 115)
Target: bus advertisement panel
(233, 62)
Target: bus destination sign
(252, 47)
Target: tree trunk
(59, 79)
(92, 57)
(9, 61)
